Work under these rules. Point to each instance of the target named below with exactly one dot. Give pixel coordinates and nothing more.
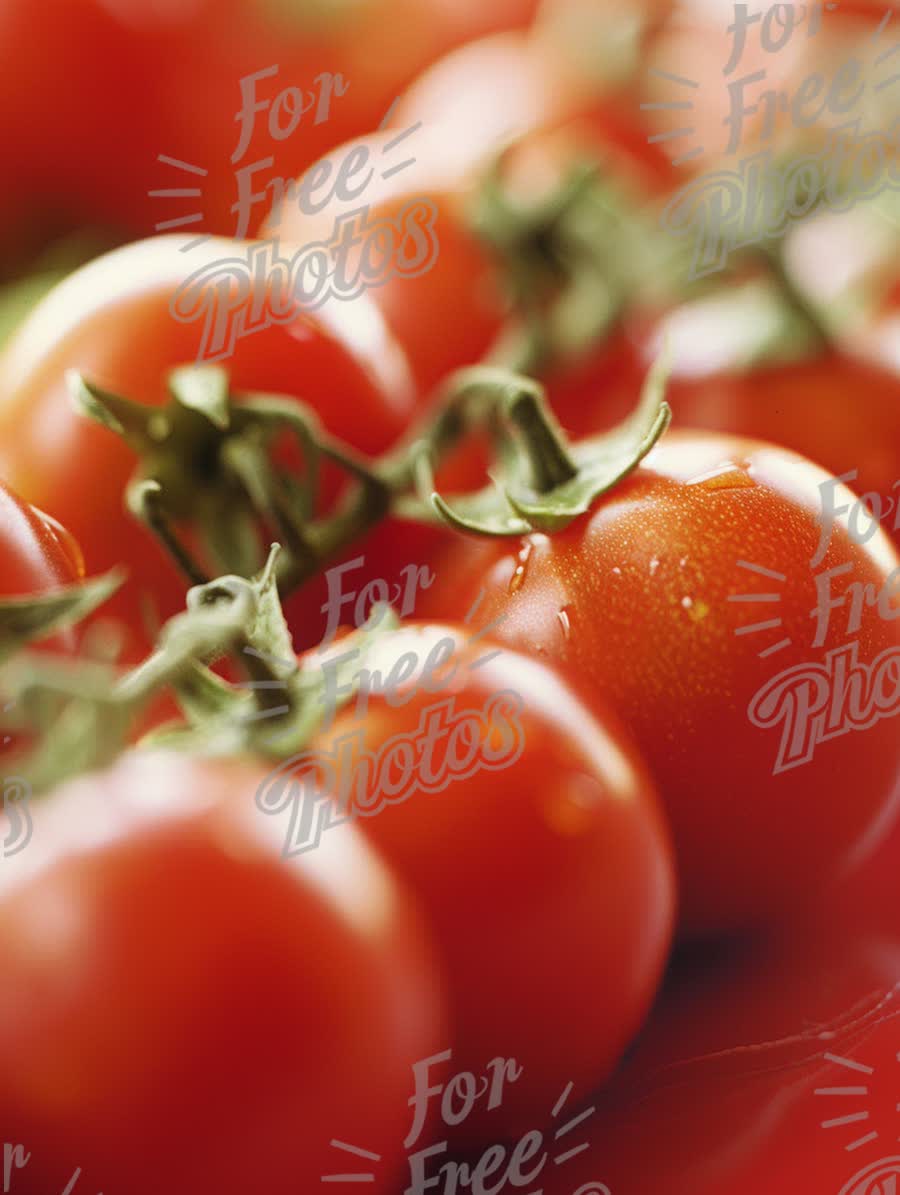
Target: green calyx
(542, 483)
(26, 619)
(208, 460)
(565, 262)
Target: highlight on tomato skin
(38, 553)
(551, 859)
(170, 978)
(657, 584)
(841, 413)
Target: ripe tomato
(528, 827)
(516, 83)
(861, 32)
(441, 288)
(184, 1009)
(731, 1087)
(446, 306)
(842, 413)
(391, 563)
(113, 321)
(37, 552)
(654, 596)
(803, 404)
(62, 144)
(705, 86)
(446, 130)
(341, 66)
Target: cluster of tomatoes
(632, 881)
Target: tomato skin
(62, 143)
(211, 1014)
(516, 83)
(165, 79)
(37, 553)
(449, 314)
(112, 321)
(720, 1091)
(393, 563)
(838, 410)
(643, 582)
(185, 91)
(842, 413)
(518, 868)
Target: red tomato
(527, 825)
(842, 413)
(720, 1090)
(63, 143)
(804, 405)
(440, 287)
(708, 90)
(446, 306)
(516, 83)
(323, 73)
(392, 563)
(861, 33)
(654, 596)
(37, 552)
(457, 117)
(596, 391)
(113, 321)
(184, 1009)
(165, 79)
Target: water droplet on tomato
(697, 610)
(563, 617)
(519, 575)
(727, 478)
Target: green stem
(773, 260)
(542, 438)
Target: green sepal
(203, 389)
(25, 619)
(136, 423)
(206, 461)
(547, 482)
(602, 461)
